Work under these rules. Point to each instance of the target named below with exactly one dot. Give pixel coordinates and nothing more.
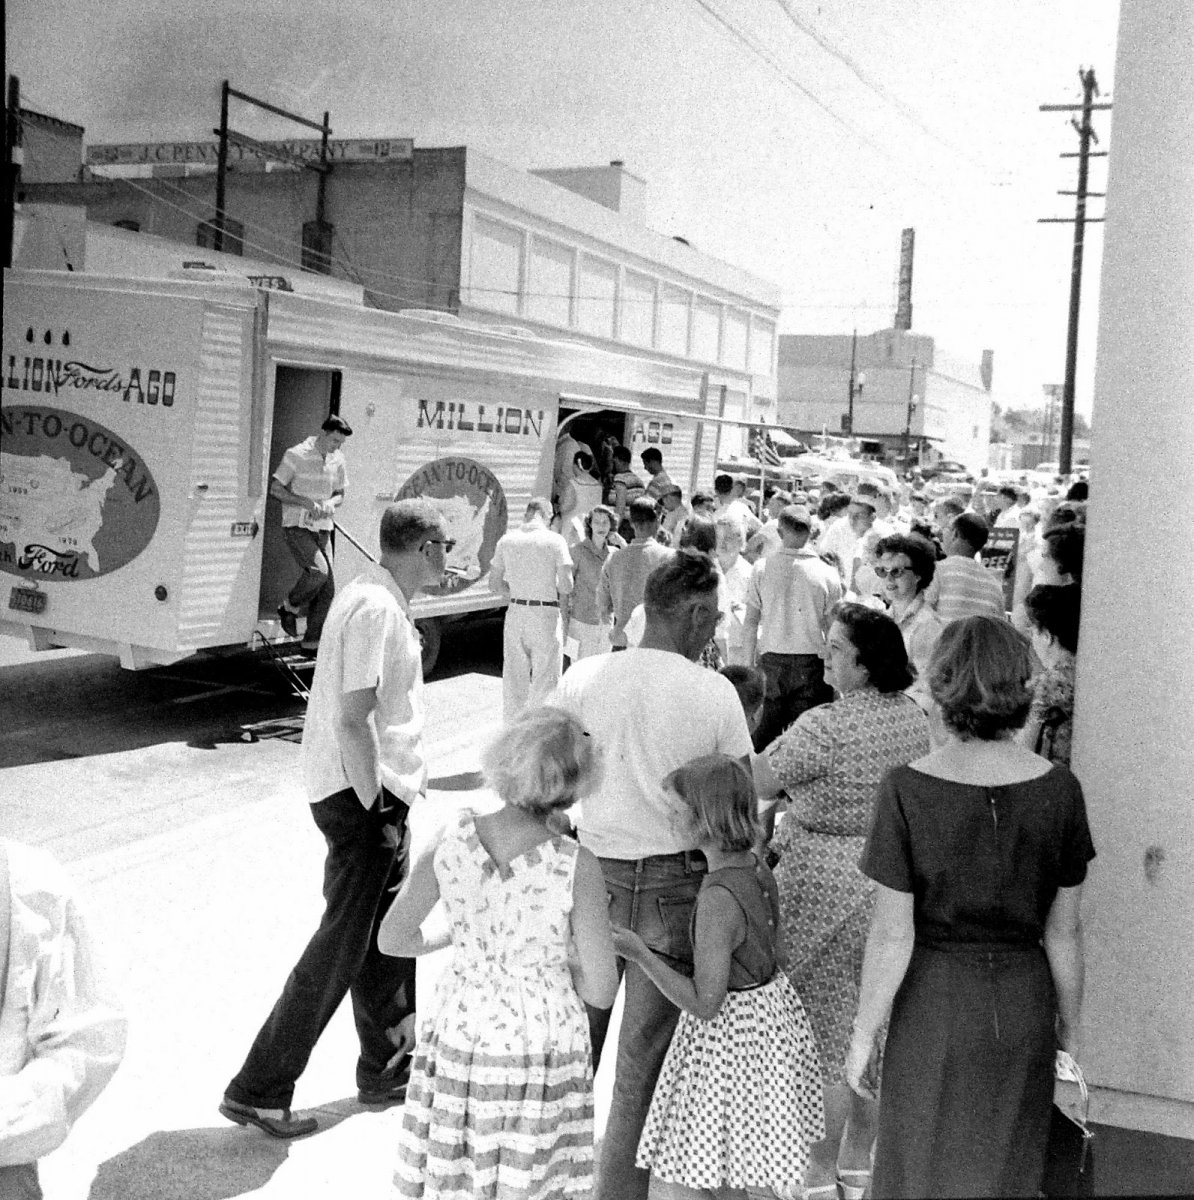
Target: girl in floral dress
(739, 1097)
(500, 1102)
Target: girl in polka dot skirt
(739, 1097)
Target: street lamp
(913, 400)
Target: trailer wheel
(431, 635)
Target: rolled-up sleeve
(62, 1031)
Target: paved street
(201, 868)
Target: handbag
(1069, 1156)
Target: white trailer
(142, 419)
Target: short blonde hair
(539, 762)
(720, 795)
(979, 675)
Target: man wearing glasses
(364, 766)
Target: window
(706, 330)
(673, 320)
(549, 297)
(638, 309)
(129, 224)
(733, 347)
(207, 236)
(596, 294)
(762, 347)
(495, 264)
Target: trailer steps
(283, 654)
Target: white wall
(1134, 728)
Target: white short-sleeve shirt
(648, 712)
(369, 641)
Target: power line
(791, 79)
(867, 81)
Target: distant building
(51, 149)
(951, 416)
(560, 251)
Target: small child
(500, 1102)
(739, 1097)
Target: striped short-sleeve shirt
(308, 473)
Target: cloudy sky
(789, 137)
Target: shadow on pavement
(201, 1164)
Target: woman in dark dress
(979, 850)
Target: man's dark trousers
(315, 588)
(364, 862)
(795, 683)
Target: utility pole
(12, 163)
(855, 385)
(1086, 135)
(908, 423)
(222, 166)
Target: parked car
(947, 471)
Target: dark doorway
(303, 399)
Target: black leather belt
(536, 603)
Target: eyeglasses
(448, 544)
(891, 572)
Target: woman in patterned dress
(1053, 614)
(500, 1102)
(739, 1095)
(830, 761)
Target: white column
(1134, 735)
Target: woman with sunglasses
(905, 564)
(829, 762)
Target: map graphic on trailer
(76, 501)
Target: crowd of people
(795, 782)
(797, 787)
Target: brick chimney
(987, 369)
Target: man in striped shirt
(309, 484)
(962, 586)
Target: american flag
(762, 449)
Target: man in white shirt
(309, 484)
(62, 1031)
(532, 566)
(725, 501)
(789, 607)
(766, 540)
(675, 513)
(1007, 508)
(962, 586)
(660, 481)
(649, 711)
(735, 572)
(364, 766)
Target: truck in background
(142, 420)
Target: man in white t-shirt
(532, 566)
(309, 484)
(649, 711)
(364, 766)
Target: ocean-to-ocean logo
(474, 507)
(76, 500)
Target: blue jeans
(364, 867)
(655, 897)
